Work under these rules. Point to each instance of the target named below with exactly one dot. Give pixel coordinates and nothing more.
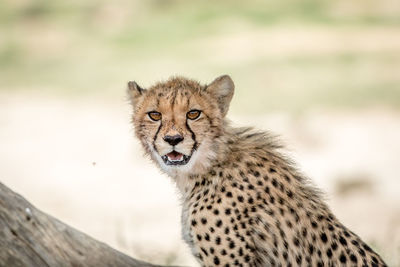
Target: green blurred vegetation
(289, 55)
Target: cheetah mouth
(175, 158)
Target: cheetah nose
(174, 139)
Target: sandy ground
(77, 160)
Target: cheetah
(243, 202)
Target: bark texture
(29, 237)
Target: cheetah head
(180, 121)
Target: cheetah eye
(193, 114)
(154, 115)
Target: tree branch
(29, 237)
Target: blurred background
(324, 75)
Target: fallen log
(30, 237)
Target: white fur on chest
(186, 232)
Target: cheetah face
(178, 121)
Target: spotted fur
(243, 203)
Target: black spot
(14, 233)
(281, 187)
(216, 260)
(311, 249)
(223, 252)
(194, 223)
(203, 220)
(346, 234)
(240, 199)
(296, 241)
(304, 232)
(367, 248)
(362, 252)
(229, 194)
(334, 246)
(207, 237)
(342, 240)
(329, 253)
(274, 182)
(204, 251)
(272, 200)
(342, 258)
(299, 259)
(247, 258)
(353, 258)
(231, 245)
(324, 237)
(218, 223)
(212, 250)
(355, 243)
(314, 224)
(272, 170)
(266, 189)
(216, 212)
(217, 240)
(250, 200)
(228, 211)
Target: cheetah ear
(222, 89)
(135, 92)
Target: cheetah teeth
(175, 158)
